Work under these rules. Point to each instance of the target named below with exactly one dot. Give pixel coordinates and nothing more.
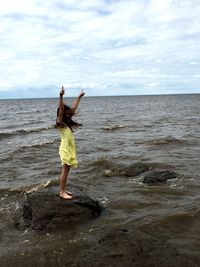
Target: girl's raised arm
(61, 106)
(77, 101)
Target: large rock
(158, 176)
(136, 169)
(46, 210)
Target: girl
(67, 150)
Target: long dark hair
(67, 119)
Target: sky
(106, 47)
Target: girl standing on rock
(67, 150)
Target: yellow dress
(67, 150)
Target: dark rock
(46, 210)
(119, 247)
(136, 169)
(125, 247)
(158, 176)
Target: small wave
(166, 140)
(8, 191)
(106, 167)
(25, 147)
(22, 131)
(36, 144)
(114, 127)
(29, 189)
(100, 162)
(4, 135)
(163, 141)
(37, 187)
(103, 164)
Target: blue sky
(108, 47)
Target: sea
(161, 131)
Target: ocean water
(160, 131)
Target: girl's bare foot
(65, 195)
(69, 193)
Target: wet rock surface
(159, 176)
(46, 210)
(136, 169)
(149, 174)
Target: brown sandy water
(160, 131)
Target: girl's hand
(81, 93)
(62, 92)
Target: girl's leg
(63, 182)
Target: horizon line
(54, 97)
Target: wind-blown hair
(67, 119)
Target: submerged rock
(136, 169)
(46, 210)
(126, 247)
(158, 176)
(118, 247)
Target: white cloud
(153, 84)
(99, 43)
(125, 73)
